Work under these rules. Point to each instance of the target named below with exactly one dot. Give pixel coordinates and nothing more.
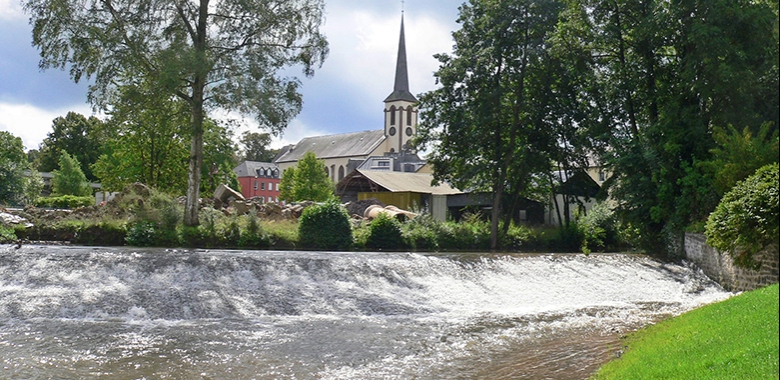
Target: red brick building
(259, 179)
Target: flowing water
(120, 313)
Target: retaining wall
(720, 267)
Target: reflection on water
(79, 312)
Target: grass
(733, 339)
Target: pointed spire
(401, 88)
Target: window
(262, 185)
(276, 185)
(392, 115)
(383, 163)
(602, 176)
(409, 131)
(341, 172)
(409, 116)
(391, 131)
(327, 173)
(333, 172)
(255, 186)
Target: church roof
(401, 87)
(332, 146)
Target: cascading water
(76, 312)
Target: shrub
(141, 234)
(7, 234)
(65, 201)
(598, 228)
(422, 232)
(385, 233)
(746, 220)
(254, 236)
(325, 226)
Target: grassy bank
(733, 339)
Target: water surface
(85, 312)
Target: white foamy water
(77, 312)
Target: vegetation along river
(86, 312)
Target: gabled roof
(249, 168)
(400, 182)
(332, 146)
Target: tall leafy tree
(210, 54)
(307, 181)
(13, 162)
(82, 137)
(483, 123)
(69, 179)
(255, 147)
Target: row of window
(408, 115)
(269, 199)
(271, 186)
(332, 171)
(268, 172)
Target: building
(259, 179)
(343, 153)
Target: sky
(345, 94)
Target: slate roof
(249, 168)
(405, 182)
(333, 146)
(401, 87)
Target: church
(384, 149)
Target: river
(124, 313)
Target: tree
(69, 179)
(150, 143)
(306, 182)
(78, 135)
(13, 162)
(255, 147)
(483, 123)
(223, 54)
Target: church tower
(400, 106)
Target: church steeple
(401, 88)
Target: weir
(75, 312)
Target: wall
(720, 267)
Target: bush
(385, 233)
(746, 220)
(141, 234)
(598, 229)
(65, 201)
(254, 236)
(422, 232)
(7, 234)
(325, 226)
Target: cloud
(31, 123)
(11, 10)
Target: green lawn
(733, 339)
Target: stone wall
(720, 267)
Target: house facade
(259, 179)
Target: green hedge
(385, 233)
(746, 220)
(325, 226)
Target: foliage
(385, 233)
(141, 234)
(422, 232)
(69, 179)
(325, 226)
(734, 339)
(746, 220)
(219, 155)
(738, 155)
(7, 234)
(254, 236)
(667, 72)
(506, 107)
(13, 162)
(255, 147)
(222, 54)
(306, 182)
(65, 201)
(83, 138)
(33, 186)
(598, 228)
